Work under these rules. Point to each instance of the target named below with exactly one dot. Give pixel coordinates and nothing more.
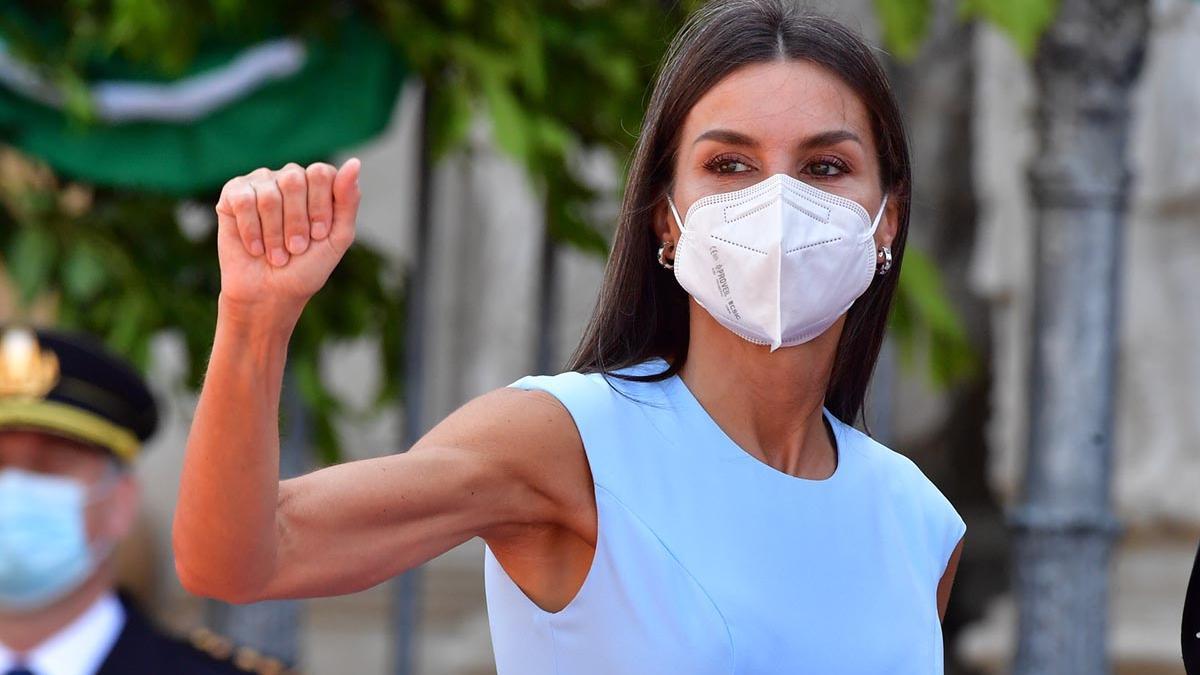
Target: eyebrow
(821, 139)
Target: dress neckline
(693, 409)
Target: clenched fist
(282, 232)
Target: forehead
(779, 101)
(32, 440)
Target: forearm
(225, 523)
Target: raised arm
(239, 533)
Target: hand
(281, 233)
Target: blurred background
(494, 137)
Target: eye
(726, 164)
(826, 167)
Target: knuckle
(292, 179)
(272, 235)
(268, 196)
(319, 199)
(321, 170)
(294, 221)
(242, 199)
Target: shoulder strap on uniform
(247, 659)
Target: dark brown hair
(642, 311)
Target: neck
(21, 632)
(769, 403)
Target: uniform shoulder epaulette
(244, 658)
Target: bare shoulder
(529, 439)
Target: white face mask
(778, 262)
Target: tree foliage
(905, 22)
(118, 265)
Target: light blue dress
(710, 562)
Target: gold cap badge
(26, 370)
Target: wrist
(263, 317)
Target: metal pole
(1064, 526)
(406, 588)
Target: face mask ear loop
(674, 212)
(878, 216)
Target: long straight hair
(642, 311)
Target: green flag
(283, 99)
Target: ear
(665, 229)
(889, 223)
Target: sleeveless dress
(710, 562)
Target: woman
(690, 499)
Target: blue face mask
(44, 552)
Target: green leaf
(552, 135)
(508, 120)
(128, 325)
(450, 113)
(905, 23)
(77, 97)
(30, 261)
(458, 9)
(566, 226)
(528, 50)
(306, 374)
(924, 321)
(1023, 20)
(325, 437)
(84, 273)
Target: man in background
(73, 418)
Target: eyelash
(715, 163)
(836, 162)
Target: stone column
(1085, 69)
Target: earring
(667, 264)
(886, 254)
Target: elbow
(223, 590)
(218, 583)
